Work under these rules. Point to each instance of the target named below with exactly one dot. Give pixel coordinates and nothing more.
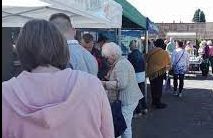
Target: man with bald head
(80, 58)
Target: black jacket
(137, 60)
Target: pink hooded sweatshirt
(52, 103)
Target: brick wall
(203, 30)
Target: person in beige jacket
(122, 79)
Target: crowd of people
(67, 86)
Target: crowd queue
(67, 87)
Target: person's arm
(77, 58)
(121, 75)
(173, 58)
(110, 85)
(95, 65)
(131, 58)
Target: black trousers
(204, 66)
(211, 62)
(181, 82)
(156, 89)
(142, 102)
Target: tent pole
(119, 36)
(146, 50)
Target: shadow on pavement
(188, 117)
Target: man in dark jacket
(137, 60)
(103, 65)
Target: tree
(196, 16)
(202, 17)
(199, 16)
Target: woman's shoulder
(123, 62)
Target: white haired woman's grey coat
(122, 79)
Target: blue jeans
(127, 112)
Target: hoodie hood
(44, 95)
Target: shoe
(161, 106)
(145, 111)
(180, 95)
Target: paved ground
(188, 117)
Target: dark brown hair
(87, 38)
(160, 43)
(180, 43)
(102, 38)
(41, 44)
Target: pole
(119, 36)
(146, 50)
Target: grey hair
(111, 49)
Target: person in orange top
(158, 62)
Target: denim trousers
(127, 112)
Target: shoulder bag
(118, 118)
(171, 72)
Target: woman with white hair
(122, 80)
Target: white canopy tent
(102, 14)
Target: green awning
(132, 18)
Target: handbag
(167, 85)
(118, 118)
(171, 72)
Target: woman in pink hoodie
(47, 100)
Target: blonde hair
(111, 49)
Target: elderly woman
(48, 101)
(122, 79)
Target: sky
(168, 11)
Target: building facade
(202, 30)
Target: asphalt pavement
(188, 117)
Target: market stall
(16, 13)
(83, 14)
(133, 20)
